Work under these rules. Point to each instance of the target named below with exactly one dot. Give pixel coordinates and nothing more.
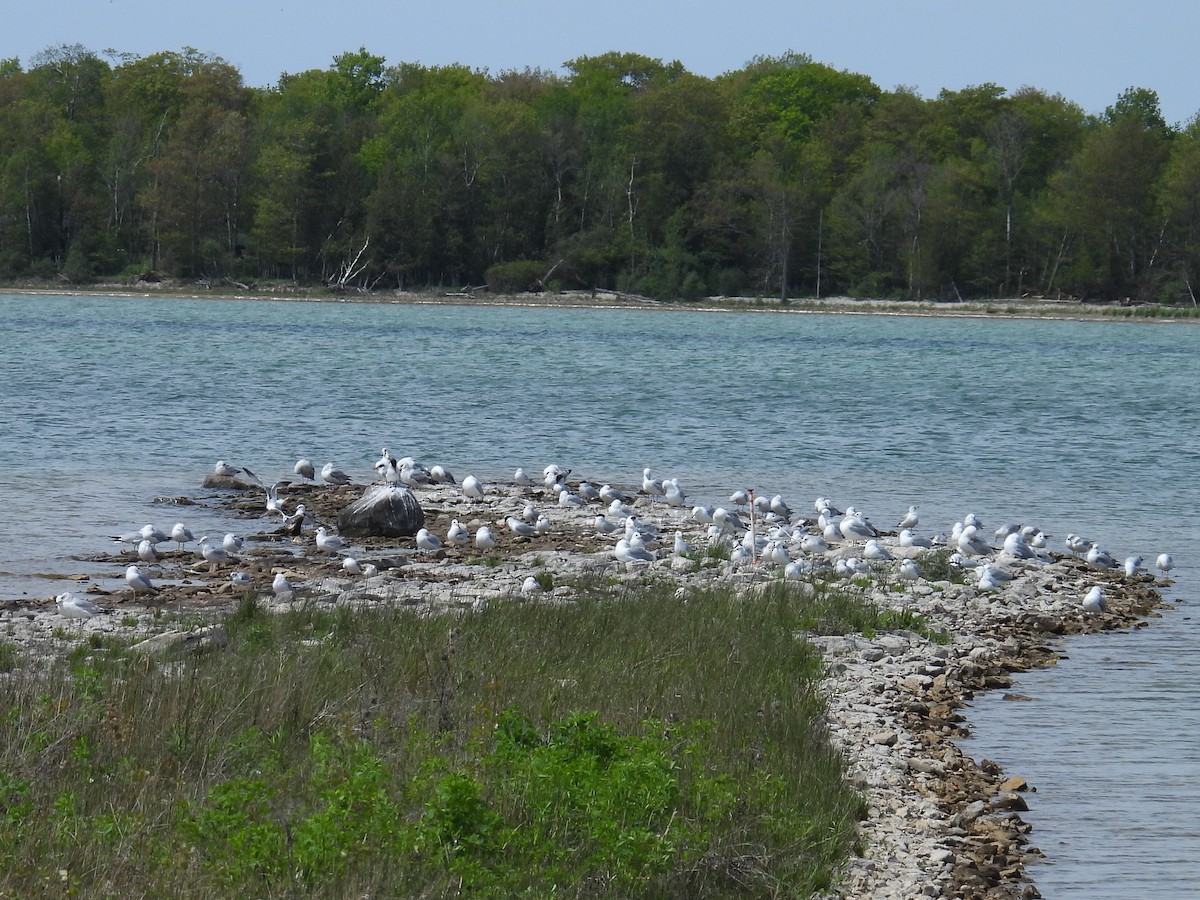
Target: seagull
(681, 546)
(740, 498)
(908, 570)
(970, 543)
(241, 581)
(813, 543)
(651, 486)
(571, 500)
(413, 473)
(531, 586)
(370, 570)
(138, 582)
(554, 473)
(542, 525)
(295, 522)
(282, 588)
(458, 534)
(673, 493)
(605, 525)
(610, 494)
(588, 491)
(520, 528)
(232, 543)
(472, 488)
(873, 550)
(441, 475)
(1094, 602)
(910, 520)
(72, 607)
(153, 535)
(1096, 556)
(428, 541)
(146, 552)
(856, 526)
(484, 539)
(181, 535)
(628, 553)
(1164, 563)
(779, 507)
(224, 468)
(330, 474)
(389, 469)
(304, 468)
(702, 514)
(520, 478)
(213, 555)
(1132, 564)
(908, 539)
(351, 566)
(329, 543)
(274, 504)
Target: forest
(786, 178)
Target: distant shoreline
(1013, 308)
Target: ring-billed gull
(138, 582)
(531, 585)
(351, 566)
(282, 588)
(673, 493)
(471, 487)
(1094, 602)
(1132, 564)
(520, 479)
(910, 520)
(1164, 563)
(908, 570)
(225, 469)
(181, 535)
(428, 541)
(441, 475)
(213, 554)
(330, 474)
(232, 543)
(71, 606)
(241, 581)
(484, 539)
(146, 552)
(305, 469)
(328, 543)
(458, 534)
(520, 528)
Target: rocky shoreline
(939, 824)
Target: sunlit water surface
(1088, 427)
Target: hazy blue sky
(1087, 50)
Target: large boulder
(385, 510)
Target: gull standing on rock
(146, 552)
(330, 474)
(471, 487)
(458, 534)
(232, 543)
(282, 588)
(73, 607)
(1132, 564)
(428, 541)
(181, 535)
(350, 566)
(138, 582)
(241, 581)
(1164, 563)
(520, 479)
(484, 539)
(225, 469)
(328, 543)
(1094, 602)
(305, 469)
(213, 555)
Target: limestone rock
(212, 638)
(386, 510)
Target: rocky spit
(940, 824)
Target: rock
(212, 638)
(385, 510)
(1016, 783)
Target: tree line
(784, 178)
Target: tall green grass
(631, 744)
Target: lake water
(1086, 427)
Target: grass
(629, 744)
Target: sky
(1089, 51)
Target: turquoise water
(1072, 426)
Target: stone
(386, 510)
(1016, 783)
(212, 638)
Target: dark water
(1072, 426)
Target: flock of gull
(750, 531)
